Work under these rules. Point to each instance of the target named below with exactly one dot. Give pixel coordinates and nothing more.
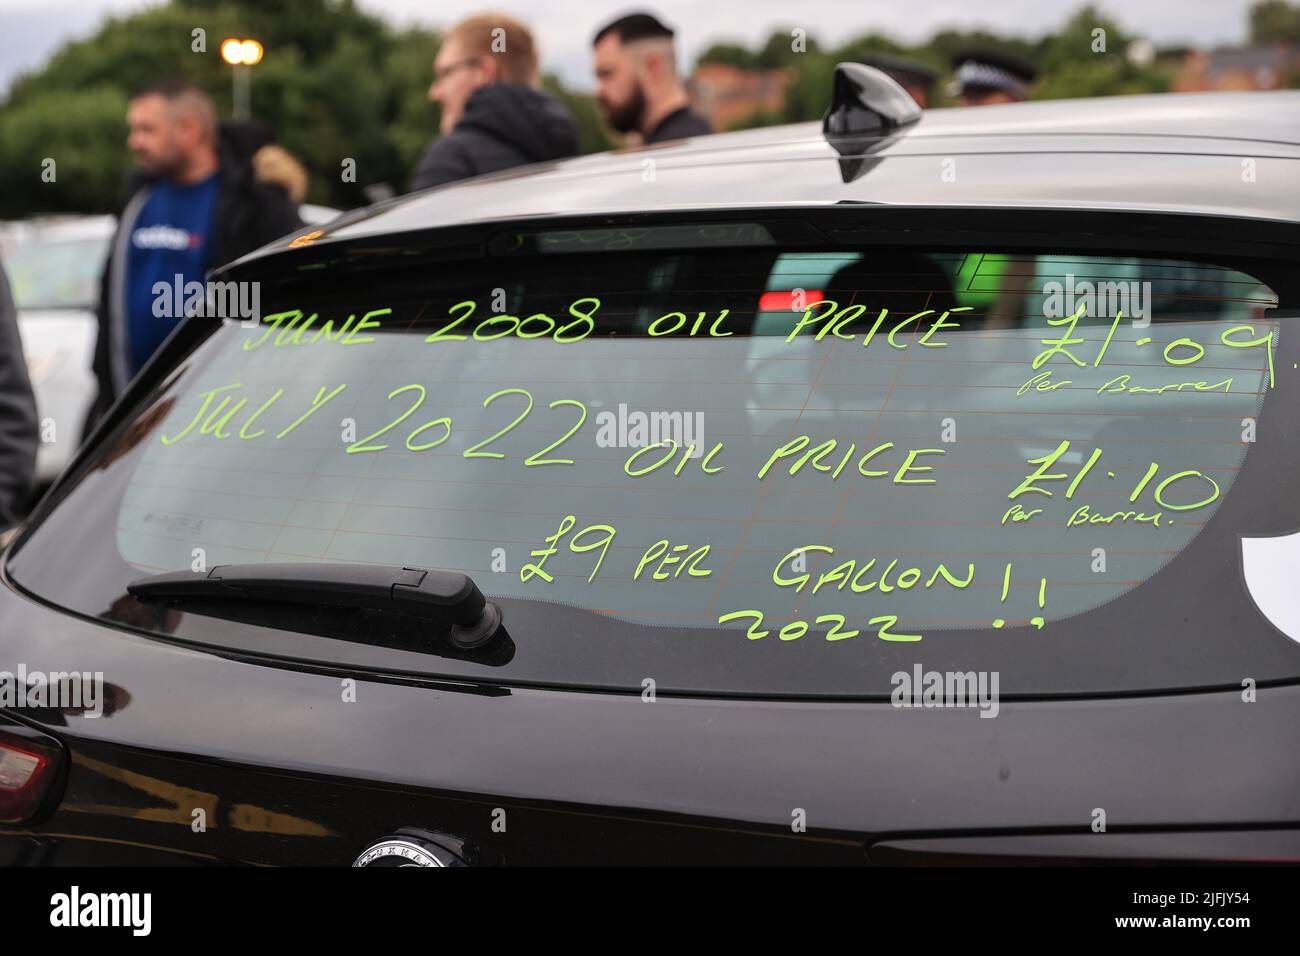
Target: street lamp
(242, 55)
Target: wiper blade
(447, 597)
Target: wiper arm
(444, 596)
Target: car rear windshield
(743, 471)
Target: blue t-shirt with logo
(172, 237)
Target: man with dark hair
(637, 84)
(194, 204)
(494, 116)
(18, 426)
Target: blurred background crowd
(338, 80)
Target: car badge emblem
(411, 847)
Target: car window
(61, 274)
(754, 471)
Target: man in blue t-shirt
(171, 243)
(195, 204)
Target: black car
(905, 488)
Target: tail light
(30, 764)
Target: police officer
(989, 77)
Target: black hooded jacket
(505, 125)
(249, 214)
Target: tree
(72, 130)
(786, 47)
(865, 45)
(1275, 21)
(730, 54)
(1087, 57)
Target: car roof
(57, 228)
(1233, 154)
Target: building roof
(1223, 59)
(1235, 154)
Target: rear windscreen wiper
(447, 597)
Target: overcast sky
(31, 30)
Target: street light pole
(242, 55)
(241, 76)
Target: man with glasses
(486, 80)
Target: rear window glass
(743, 471)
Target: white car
(54, 264)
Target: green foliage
(1070, 62)
(779, 50)
(593, 134)
(1108, 77)
(82, 133)
(947, 44)
(730, 54)
(131, 52)
(756, 119)
(806, 97)
(869, 43)
(1087, 57)
(1275, 21)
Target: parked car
(697, 504)
(54, 264)
(314, 215)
